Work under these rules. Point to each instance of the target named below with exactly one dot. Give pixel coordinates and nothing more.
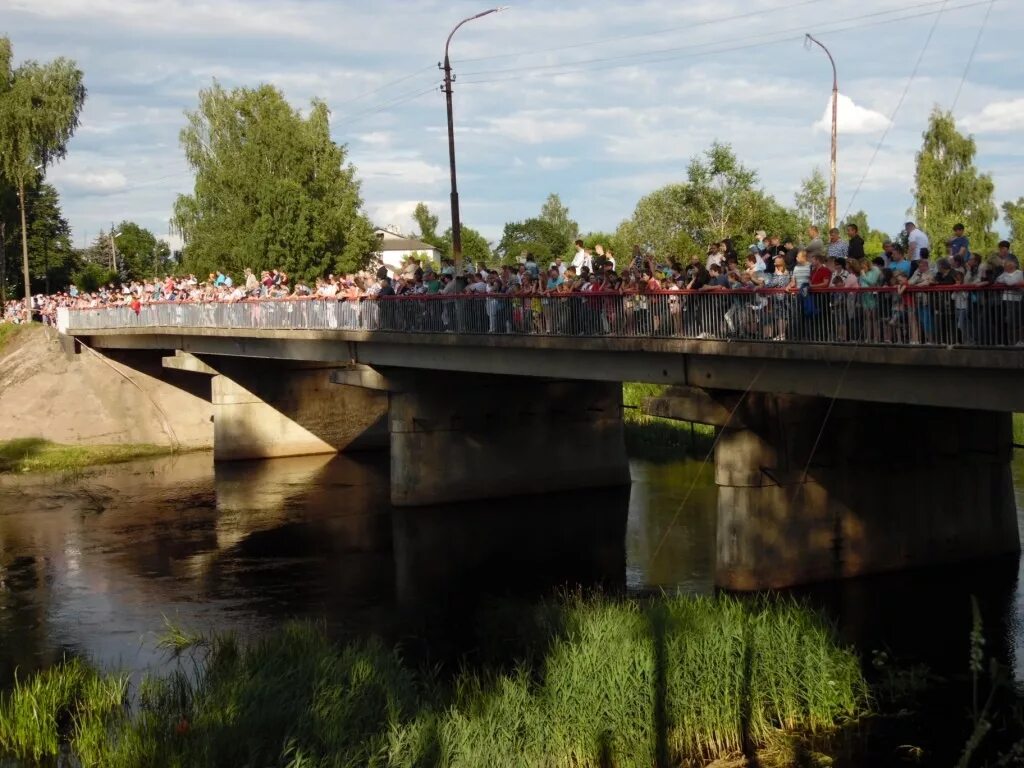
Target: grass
(657, 439)
(597, 682)
(1018, 428)
(8, 332)
(33, 454)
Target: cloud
(536, 127)
(404, 170)
(105, 182)
(997, 117)
(852, 118)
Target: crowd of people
(822, 290)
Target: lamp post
(447, 88)
(113, 249)
(808, 40)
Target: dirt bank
(87, 399)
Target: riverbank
(657, 439)
(582, 682)
(33, 454)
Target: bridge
(847, 443)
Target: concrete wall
(456, 438)
(872, 488)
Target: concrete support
(464, 437)
(266, 409)
(808, 495)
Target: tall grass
(598, 682)
(1018, 428)
(655, 438)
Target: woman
(779, 304)
(869, 279)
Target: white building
(395, 248)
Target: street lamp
(447, 88)
(808, 40)
(24, 245)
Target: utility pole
(113, 249)
(447, 88)
(3, 263)
(808, 40)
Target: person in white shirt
(582, 258)
(1013, 279)
(917, 243)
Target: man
(897, 262)
(960, 245)
(917, 244)
(1004, 250)
(560, 266)
(762, 236)
(815, 247)
(821, 276)
(837, 249)
(582, 258)
(855, 246)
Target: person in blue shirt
(898, 262)
(960, 245)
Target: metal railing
(989, 316)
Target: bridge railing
(989, 316)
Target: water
(98, 564)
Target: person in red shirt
(821, 276)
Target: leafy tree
(272, 189)
(475, 248)
(538, 236)
(1014, 215)
(40, 106)
(948, 187)
(661, 222)
(139, 253)
(427, 222)
(719, 194)
(556, 214)
(812, 200)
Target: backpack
(807, 305)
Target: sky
(601, 102)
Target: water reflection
(95, 564)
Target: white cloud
(997, 117)
(852, 118)
(536, 127)
(104, 182)
(375, 138)
(406, 171)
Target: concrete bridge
(833, 458)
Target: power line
(380, 88)
(774, 39)
(970, 59)
(618, 38)
(634, 58)
(903, 96)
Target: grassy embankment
(8, 332)
(33, 454)
(657, 439)
(596, 682)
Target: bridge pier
(266, 409)
(465, 437)
(807, 494)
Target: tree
(139, 253)
(427, 223)
(812, 200)
(719, 194)
(40, 106)
(538, 236)
(475, 248)
(556, 214)
(51, 256)
(948, 187)
(272, 189)
(661, 222)
(1014, 215)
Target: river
(98, 564)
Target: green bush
(91, 276)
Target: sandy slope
(87, 399)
